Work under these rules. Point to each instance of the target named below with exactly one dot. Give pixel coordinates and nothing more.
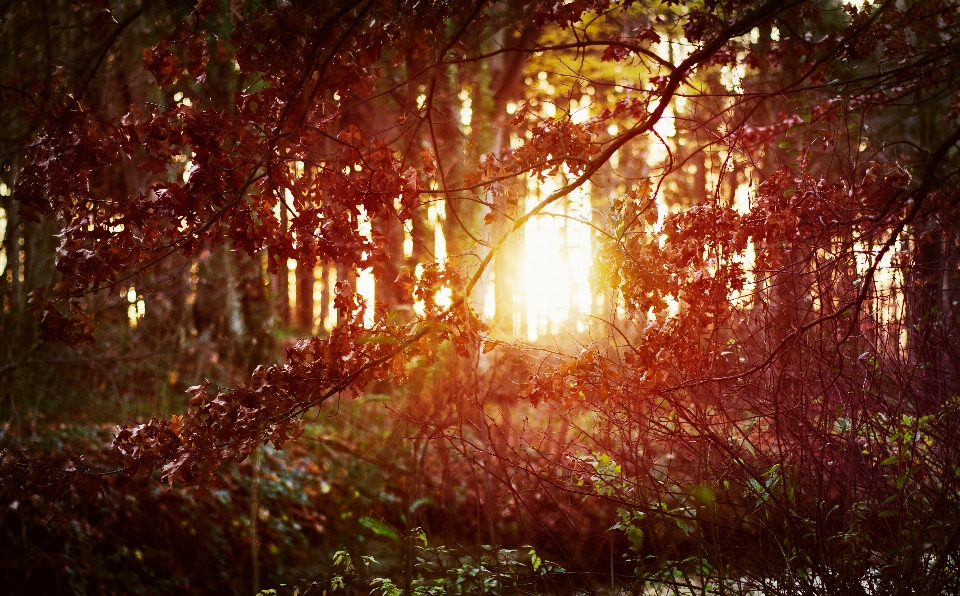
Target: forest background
(479, 297)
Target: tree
(776, 369)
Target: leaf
(902, 480)
(419, 503)
(161, 63)
(379, 528)
(614, 53)
(342, 558)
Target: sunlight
(556, 274)
(365, 281)
(136, 307)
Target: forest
(480, 297)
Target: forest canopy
(686, 269)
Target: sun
(558, 254)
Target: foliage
(113, 534)
(764, 400)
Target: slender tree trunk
(421, 235)
(282, 294)
(13, 271)
(325, 290)
(348, 276)
(447, 137)
(387, 290)
(257, 341)
(508, 263)
(304, 306)
(254, 522)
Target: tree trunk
(508, 263)
(282, 278)
(304, 306)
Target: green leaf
(419, 503)
(901, 481)
(341, 558)
(378, 527)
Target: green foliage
(379, 528)
(628, 524)
(441, 571)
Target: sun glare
(552, 293)
(365, 280)
(556, 276)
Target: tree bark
(304, 306)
